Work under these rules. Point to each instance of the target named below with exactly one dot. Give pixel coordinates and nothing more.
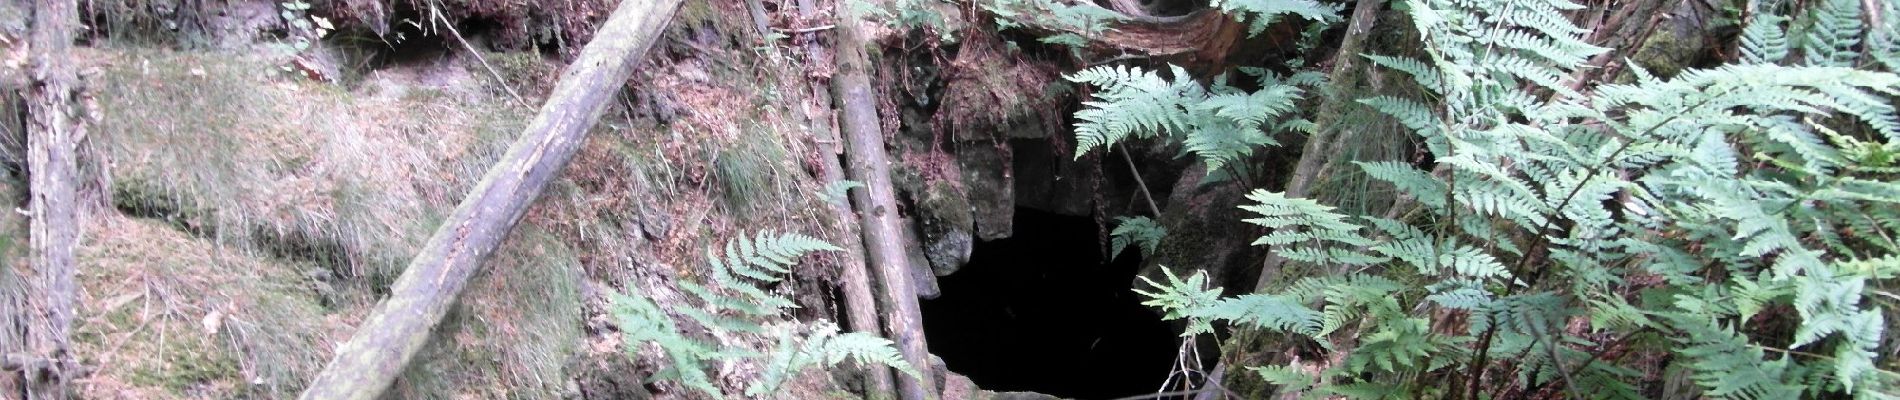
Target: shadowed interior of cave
(1040, 311)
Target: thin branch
(1556, 360)
(1165, 394)
(437, 14)
(1152, 206)
(820, 28)
(1120, 58)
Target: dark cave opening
(1041, 311)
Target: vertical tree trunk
(860, 300)
(877, 204)
(1317, 152)
(53, 134)
(383, 344)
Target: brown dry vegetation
(257, 215)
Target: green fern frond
(1280, 212)
(1833, 34)
(1289, 379)
(1763, 41)
(733, 303)
(823, 346)
(1686, 207)
(1182, 299)
(1423, 74)
(1413, 115)
(641, 321)
(1883, 41)
(1258, 14)
(1727, 366)
(1217, 123)
(1137, 231)
(1266, 311)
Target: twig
(1173, 393)
(1124, 57)
(437, 13)
(1210, 387)
(106, 359)
(807, 30)
(1152, 206)
(1556, 360)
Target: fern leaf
(1833, 34)
(1764, 42)
(1138, 231)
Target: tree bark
(877, 203)
(366, 365)
(1317, 153)
(860, 301)
(54, 131)
(1200, 40)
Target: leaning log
(860, 302)
(53, 131)
(877, 203)
(366, 365)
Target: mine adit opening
(1043, 311)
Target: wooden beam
(860, 301)
(877, 203)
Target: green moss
(946, 202)
(728, 20)
(1663, 54)
(190, 366)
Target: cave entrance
(1041, 311)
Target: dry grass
(517, 325)
(225, 148)
(277, 202)
(223, 153)
(168, 315)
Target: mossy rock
(947, 226)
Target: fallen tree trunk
(877, 203)
(53, 133)
(366, 365)
(860, 301)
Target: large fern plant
(1558, 230)
(733, 306)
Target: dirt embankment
(263, 193)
